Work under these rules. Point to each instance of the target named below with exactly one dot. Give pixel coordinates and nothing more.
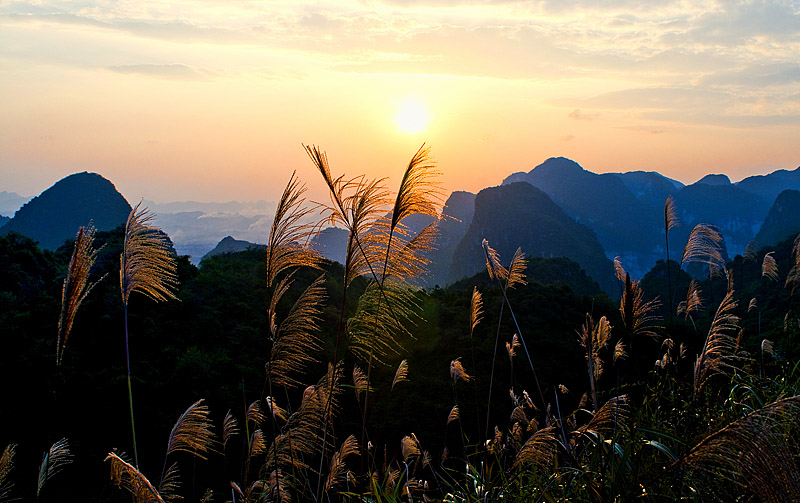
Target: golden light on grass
(411, 116)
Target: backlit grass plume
(192, 432)
(719, 349)
(593, 338)
(287, 237)
(146, 265)
(752, 458)
(76, 284)
(401, 374)
(128, 477)
(296, 341)
(6, 465)
(54, 460)
(670, 222)
(769, 268)
(704, 246)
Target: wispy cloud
(175, 71)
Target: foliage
(285, 350)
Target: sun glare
(411, 116)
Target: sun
(411, 116)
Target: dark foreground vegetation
(272, 375)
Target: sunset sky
(212, 100)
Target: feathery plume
(192, 432)
(539, 450)
(454, 414)
(704, 246)
(766, 347)
(516, 269)
(619, 351)
(493, 267)
(257, 443)
(670, 215)
(511, 347)
(619, 270)
(296, 340)
(338, 470)
(360, 382)
(147, 264)
(6, 465)
(475, 310)
(276, 411)
(756, 453)
(401, 374)
(719, 348)
(286, 245)
(457, 371)
(255, 414)
(637, 316)
(418, 192)
(615, 411)
(769, 268)
(56, 458)
(170, 484)
(76, 284)
(753, 305)
(230, 428)
(409, 447)
(693, 302)
(126, 476)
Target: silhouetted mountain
(4, 220)
(715, 180)
(738, 214)
(451, 228)
(520, 215)
(231, 245)
(331, 243)
(10, 202)
(769, 186)
(56, 214)
(649, 187)
(783, 219)
(625, 226)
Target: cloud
(176, 71)
(568, 137)
(578, 115)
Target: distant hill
(626, 226)
(649, 187)
(520, 215)
(4, 220)
(769, 186)
(451, 228)
(331, 243)
(231, 245)
(783, 219)
(715, 179)
(737, 213)
(10, 202)
(56, 214)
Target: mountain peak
(561, 164)
(715, 180)
(55, 215)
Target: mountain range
(558, 209)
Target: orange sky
(212, 100)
